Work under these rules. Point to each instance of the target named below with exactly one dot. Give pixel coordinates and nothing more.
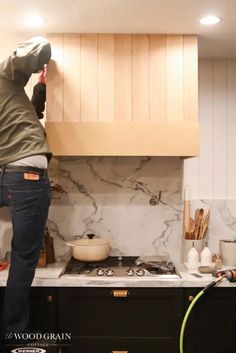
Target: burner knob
(140, 272)
(100, 272)
(130, 272)
(110, 272)
(87, 271)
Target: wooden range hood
(123, 95)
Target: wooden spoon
(191, 229)
(191, 225)
(196, 229)
(200, 223)
(205, 223)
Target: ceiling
(128, 16)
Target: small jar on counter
(218, 263)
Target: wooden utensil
(200, 218)
(205, 223)
(196, 228)
(190, 234)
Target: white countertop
(50, 277)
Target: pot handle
(69, 243)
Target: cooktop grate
(127, 266)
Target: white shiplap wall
(212, 175)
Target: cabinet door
(147, 320)
(212, 322)
(43, 309)
(42, 315)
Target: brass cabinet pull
(190, 298)
(120, 293)
(119, 352)
(50, 299)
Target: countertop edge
(188, 279)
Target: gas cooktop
(127, 266)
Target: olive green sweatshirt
(21, 133)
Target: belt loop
(3, 167)
(3, 171)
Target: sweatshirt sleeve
(29, 57)
(39, 98)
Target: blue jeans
(28, 202)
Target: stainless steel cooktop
(127, 266)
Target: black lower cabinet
(104, 320)
(133, 320)
(212, 323)
(42, 321)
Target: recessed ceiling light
(210, 20)
(34, 21)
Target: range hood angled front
(123, 139)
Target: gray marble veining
(222, 220)
(188, 279)
(136, 201)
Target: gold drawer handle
(120, 293)
(119, 352)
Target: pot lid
(90, 242)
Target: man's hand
(39, 93)
(43, 75)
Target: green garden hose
(181, 339)
(186, 316)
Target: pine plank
(174, 78)
(190, 78)
(72, 77)
(89, 77)
(158, 99)
(106, 77)
(55, 78)
(123, 77)
(140, 77)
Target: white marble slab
(136, 201)
(222, 220)
(187, 279)
(51, 271)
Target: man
(24, 185)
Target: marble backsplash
(136, 201)
(222, 220)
